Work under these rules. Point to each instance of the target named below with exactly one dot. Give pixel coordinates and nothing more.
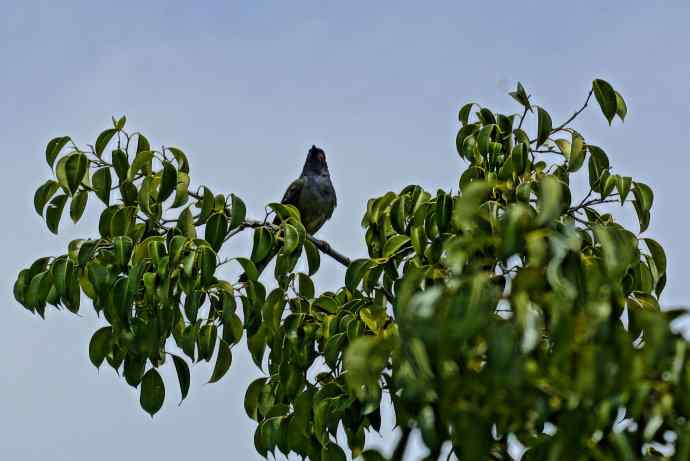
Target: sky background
(245, 88)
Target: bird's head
(316, 162)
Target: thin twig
(572, 117)
(323, 246)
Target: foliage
(501, 310)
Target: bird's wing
(291, 196)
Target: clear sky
(245, 88)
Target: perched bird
(312, 194)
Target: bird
(312, 194)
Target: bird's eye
(322, 157)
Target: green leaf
(251, 398)
(181, 191)
(76, 209)
(621, 107)
(520, 95)
(120, 163)
(238, 212)
(207, 264)
(119, 224)
(394, 244)
(185, 223)
(142, 143)
(223, 362)
(103, 140)
(313, 256)
(122, 250)
(291, 239)
(306, 286)
(544, 126)
(43, 194)
(216, 230)
(249, 269)
(100, 345)
(606, 97)
(102, 183)
(577, 153)
(549, 200)
(263, 242)
(355, 272)
(152, 392)
(464, 113)
(183, 375)
(623, 185)
(333, 452)
(54, 147)
(598, 164)
(643, 195)
(120, 123)
(181, 158)
(75, 169)
(372, 455)
(134, 368)
(168, 181)
(54, 212)
(142, 161)
(658, 254)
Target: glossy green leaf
(152, 392)
(606, 97)
(577, 153)
(119, 224)
(180, 158)
(544, 126)
(291, 239)
(464, 113)
(355, 272)
(102, 183)
(43, 194)
(54, 148)
(103, 140)
(223, 362)
(621, 107)
(142, 162)
(313, 256)
(251, 397)
(54, 212)
(100, 345)
(395, 244)
(121, 164)
(76, 209)
(263, 243)
(75, 169)
(168, 181)
(185, 223)
(183, 375)
(216, 229)
(238, 212)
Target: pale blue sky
(245, 88)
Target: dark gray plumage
(312, 194)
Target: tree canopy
(511, 309)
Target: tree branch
(323, 246)
(572, 117)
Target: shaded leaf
(152, 392)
